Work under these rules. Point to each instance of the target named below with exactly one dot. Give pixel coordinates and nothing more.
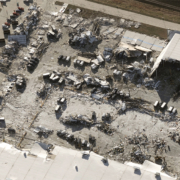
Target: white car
(78, 62)
(75, 61)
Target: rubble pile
(167, 116)
(105, 21)
(30, 21)
(116, 150)
(138, 140)
(43, 90)
(70, 20)
(106, 93)
(125, 51)
(138, 74)
(78, 119)
(71, 78)
(43, 132)
(175, 136)
(126, 23)
(78, 142)
(96, 82)
(106, 128)
(138, 156)
(4, 63)
(82, 38)
(159, 145)
(149, 82)
(54, 33)
(108, 53)
(116, 93)
(117, 73)
(11, 48)
(106, 117)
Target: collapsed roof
(143, 40)
(170, 53)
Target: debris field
(79, 83)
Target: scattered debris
(43, 132)
(106, 128)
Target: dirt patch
(143, 8)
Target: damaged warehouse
(169, 54)
(82, 88)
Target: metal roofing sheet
(21, 39)
(110, 30)
(128, 37)
(118, 170)
(158, 45)
(150, 176)
(118, 31)
(148, 42)
(138, 39)
(143, 41)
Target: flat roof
(170, 53)
(143, 41)
(61, 162)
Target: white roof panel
(118, 170)
(158, 45)
(16, 165)
(143, 41)
(129, 173)
(148, 42)
(138, 39)
(128, 37)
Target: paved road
(124, 14)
